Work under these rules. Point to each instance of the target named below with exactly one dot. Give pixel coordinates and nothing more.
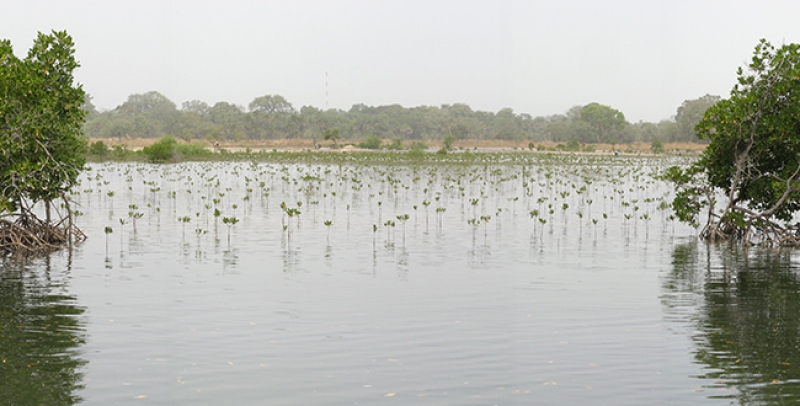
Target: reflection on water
(40, 333)
(745, 324)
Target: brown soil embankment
(490, 145)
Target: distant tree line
(151, 115)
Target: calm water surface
(434, 310)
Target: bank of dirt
(484, 145)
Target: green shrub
(98, 148)
(120, 151)
(419, 145)
(193, 150)
(657, 147)
(397, 144)
(448, 141)
(573, 146)
(416, 153)
(162, 151)
(372, 142)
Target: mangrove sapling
(626, 223)
(183, 220)
(374, 235)
(646, 217)
(230, 222)
(122, 223)
(485, 220)
(217, 214)
(541, 230)
(387, 224)
(290, 212)
(474, 203)
(474, 223)
(534, 214)
(328, 224)
(135, 216)
(426, 203)
(199, 232)
(107, 231)
(207, 209)
(403, 218)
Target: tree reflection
(744, 309)
(40, 332)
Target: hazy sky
(538, 57)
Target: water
(434, 310)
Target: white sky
(641, 57)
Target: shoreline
(135, 144)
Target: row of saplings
(745, 183)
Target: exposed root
(757, 232)
(28, 235)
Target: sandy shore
(488, 145)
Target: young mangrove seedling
(107, 230)
(122, 223)
(217, 213)
(474, 203)
(199, 232)
(328, 224)
(440, 213)
(230, 222)
(541, 229)
(485, 220)
(183, 220)
(387, 224)
(290, 212)
(474, 223)
(426, 203)
(403, 218)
